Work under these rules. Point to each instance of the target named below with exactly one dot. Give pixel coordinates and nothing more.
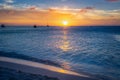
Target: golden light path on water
(65, 43)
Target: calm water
(94, 50)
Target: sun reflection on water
(66, 65)
(65, 44)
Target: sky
(54, 12)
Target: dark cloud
(52, 9)
(86, 9)
(89, 8)
(32, 8)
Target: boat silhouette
(48, 26)
(2, 25)
(35, 26)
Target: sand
(42, 69)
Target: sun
(65, 23)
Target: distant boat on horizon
(35, 26)
(2, 25)
(48, 26)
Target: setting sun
(65, 23)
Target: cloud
(54, 15)
(9, 1)
(112, 0)
(32, 8)
(6, 6)
(53, 9)
(62, 10)
(86, 9)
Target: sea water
(94, 50)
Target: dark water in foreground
(94, 50)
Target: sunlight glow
(65, 23)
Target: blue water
(95, 50)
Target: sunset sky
(54, 12)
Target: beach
(59, 39)
(42, 69)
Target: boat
(35, 26)
(48, 26)
(2, 25)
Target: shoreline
(7, 74)
(25, 57)
(42, 69)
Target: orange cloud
(54, 16)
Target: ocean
(94, 50)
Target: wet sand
(42, 69)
